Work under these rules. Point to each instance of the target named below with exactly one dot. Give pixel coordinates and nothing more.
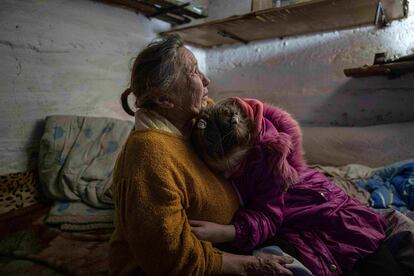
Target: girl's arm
(258, 221)
(250, 227)
(253, 224)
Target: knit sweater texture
(159, 184)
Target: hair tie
(202, 124)
(124, 102)
(235, 119)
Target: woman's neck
(181, 121)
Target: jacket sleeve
(151, 214)
(261, 217)
(253, 226)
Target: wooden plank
(395, 9)
(134, 5)
(302, 18)
(154, 8)
(189, 10)
(146, 9)
(389, 69)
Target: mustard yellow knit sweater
(160, 183)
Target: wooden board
(302, 18)
(152, 7)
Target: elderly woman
(160, 183)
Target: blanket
(77, 216)
(29, 247)
(392, 186)
(76, 159)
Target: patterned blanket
(76, 158)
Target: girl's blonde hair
(223, 134)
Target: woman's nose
(206, 80)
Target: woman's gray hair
(156, 68)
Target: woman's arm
(154, 223)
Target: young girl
(259, 149)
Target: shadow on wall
(369, 101)
(33, 144)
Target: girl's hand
(213, 232)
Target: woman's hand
(267, 264)
(264, 264)
(213, 232)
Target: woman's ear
(164, 101)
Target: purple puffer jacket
(330, 230)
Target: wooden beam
(388, 69)
(166, 10)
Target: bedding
(28, 246)
(391, 186)
(77, 155)
(76, 158)
(19, 190)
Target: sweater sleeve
(151, 212)
(262, 214)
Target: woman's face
(193, 95)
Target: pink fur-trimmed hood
(280, 135)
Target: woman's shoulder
(148, 146)
(148, 150)
(153, 139)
